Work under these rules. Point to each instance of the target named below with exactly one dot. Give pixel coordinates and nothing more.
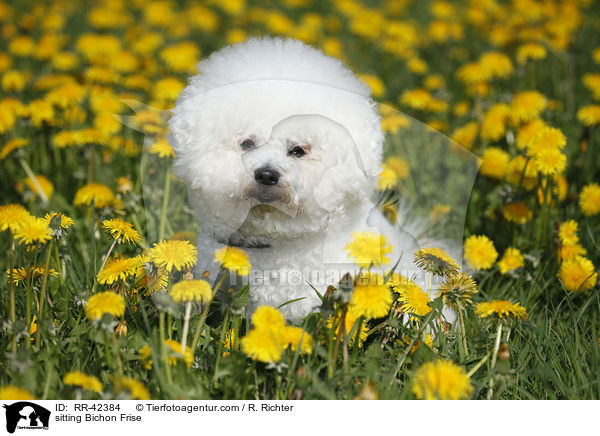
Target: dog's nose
(266, 176)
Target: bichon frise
(280, 147)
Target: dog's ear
(342, 184)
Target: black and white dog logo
(26, 415)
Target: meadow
(96, 292)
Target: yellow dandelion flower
(527, 132)
(589, 115)
(494, 162)
(393, 123)
(239, 35)
(441, 380)
(33, 230)
(11, 146)
(589, 199)
(461, 108)
(578, 274)
(480, 252)
(84, 381)
(416, 65)
(522, 172)
(44, 184)
(171, 255)
(414, 299)
(570, 251)
(7, 119)
(400, 167)
(233, 259)
(474, 73)
(11, 393)
(434, 81)
(118, 269)
(546, 139)
(22, 46)
(267, 317)
(14, 81)
(12, 216)
(375, 83)
(465, 135)
(457, 291)
(530, 51)
(65, 95)
(101, 75)
(567, 232)
(294, 336)
(592, 82)
(167, 89)
(124, 185)
(162, 148)
(419, 99)
(368, 248)
(496, 64)
(122, 231)
(501, 308)
(58, 219)
(135, 389)
(65, 61)
(517, 212)
(21, 274)
(526, 106)
(511, 260)
(191, 290)
(263, 345)
(32, 327)
(94, 193)
(436, 261)
(145, 356)
(351, 322)
(41, 112)
(493, 125)
(178, 354)
(230, 342)
(371, 297)
(104, 303)
(387, 178)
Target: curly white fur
(281, 94)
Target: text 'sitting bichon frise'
(281, 148)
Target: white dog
(281, 148)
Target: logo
(26, 415)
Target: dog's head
(275, 140)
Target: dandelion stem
(494, 356)
(115, 347)
(186, 323)
(481, 362)
(34, 180)
(163, 213)
(462, 330)
(107, 256)
(43, 293)
(220, 346)
(338, 339)
(205, 312)
(11, 289)
(163, 347)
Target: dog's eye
(297, 151)
(247, 144)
